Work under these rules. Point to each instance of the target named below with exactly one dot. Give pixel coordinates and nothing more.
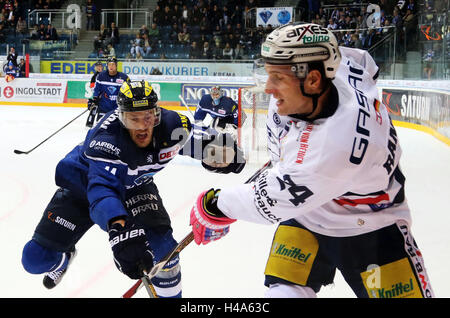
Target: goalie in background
(222, 109)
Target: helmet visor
(141, 119)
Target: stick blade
(18, 152)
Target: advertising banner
(192, 93)
(274, 16)
(424, 107)
(79, 91)
(188, 69)
(33, 90)
(72, 67)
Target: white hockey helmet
(301, 43)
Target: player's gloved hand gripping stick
(146, 279)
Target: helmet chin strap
(315, 100)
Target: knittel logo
(292, 253)
(393, 280)
(265, 15)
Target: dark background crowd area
(226, 30)
(216, 29)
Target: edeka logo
(60, 67)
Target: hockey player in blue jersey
(222, 109)
(108, 180)
(106, 88)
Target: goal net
(252, 133)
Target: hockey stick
(185, 242)
(185, 104)
(157, 268)
(19, 152)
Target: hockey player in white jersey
(334, 186)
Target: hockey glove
(131, 250)
(222, 155)
(207, 221)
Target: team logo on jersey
(276, 118)
(150, 158)
(111, 89)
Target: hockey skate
(53, 278)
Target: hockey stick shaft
(158, 267)
(185, 104)
(19, 152)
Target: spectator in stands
(12, 56)
(217, 51)
(156, 71)
(206, 51)
(91, 10)
(185, 14)
(143, 30)
(22, 68)
(158, 15)
(136, 46)
(183, 35)
(428, 63)
(21, 26)
(34, 35)
(111, 52)
(410, 23)
(236, 16)
(356, 41)
(230, 38)
(196, 15)
(147, 46)
(42, 32)
(51, 34)
(153, 34)
(217, 35)
(194, 51)
(238, 52)
(113, 35)
(174, 33)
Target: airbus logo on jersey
(105, 147)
